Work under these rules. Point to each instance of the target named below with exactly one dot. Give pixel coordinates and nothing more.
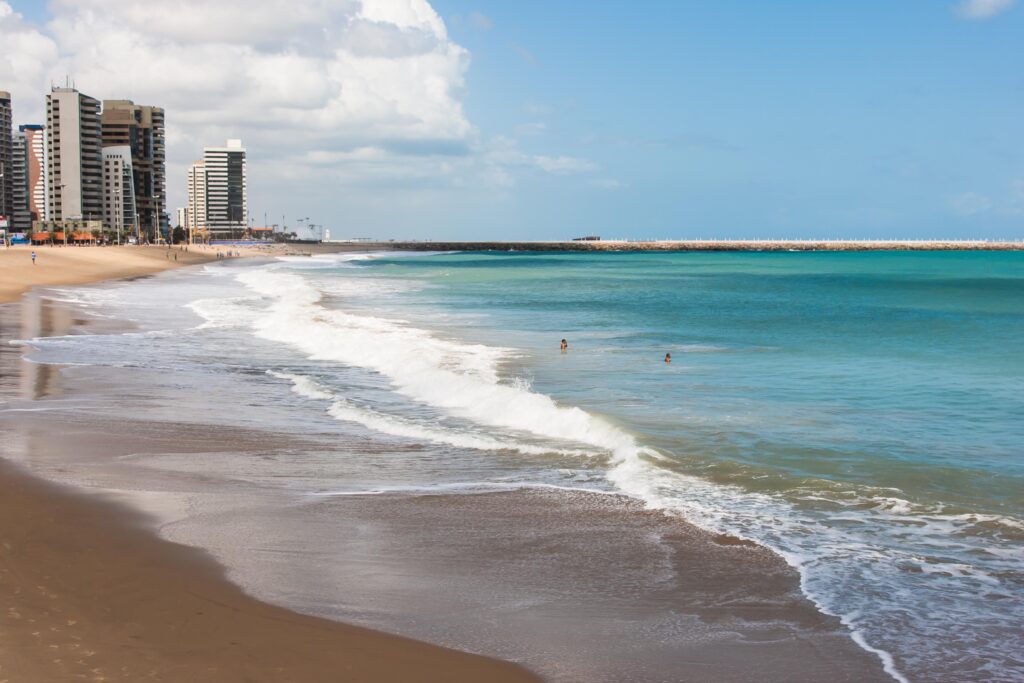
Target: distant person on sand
(565, 345)
(33, 258)
(668, 357)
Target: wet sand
(87, 592)
(577, 586)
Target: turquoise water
(859, 412)
(886, 369)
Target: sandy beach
(89, 592)
(80, 265)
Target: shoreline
(802, 650)
(61, 266)
(91, 590)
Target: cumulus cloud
(983, 9)
(25, 60)
(323, 93)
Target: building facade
(120, 213)
(20, 218)
(74, 156)
(227, 210)
(38, 185)
(195, 211)
(6, 155)
(141, 129)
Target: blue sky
(890, 118)
(763, 119)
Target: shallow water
(857, 412)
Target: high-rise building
(195, 212)
(37, 181)
(74, 155)
(119, 210)
(6, 154)
(20, 218)
(226, 200)
(141, 128)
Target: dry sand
(80, 265)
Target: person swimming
(668, 357)
(565, 345)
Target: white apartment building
(195, 211)
(119, 212)
(217, 193)
(74, 155)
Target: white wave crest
(346, 411)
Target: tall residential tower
(141, 129)
(217, 195)
(74, 155)
(195, 211)
(38, 187)
(6, 156)
(226, 201)
(20, 218)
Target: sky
(489, 119)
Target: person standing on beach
(565, 346)
(33, 258)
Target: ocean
(858, 413)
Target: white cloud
(360, 93)
(25, 60)
(983, 9)
(564, 165)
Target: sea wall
(682, 245)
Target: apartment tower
(226, 200)
(35, 139)
(74, 155)
(120, 213)
(195, 212)
(20, 218)
(141, 129)
(6, 155)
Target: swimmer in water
(565, 345)
(668, 357)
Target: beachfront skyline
(540, 121)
